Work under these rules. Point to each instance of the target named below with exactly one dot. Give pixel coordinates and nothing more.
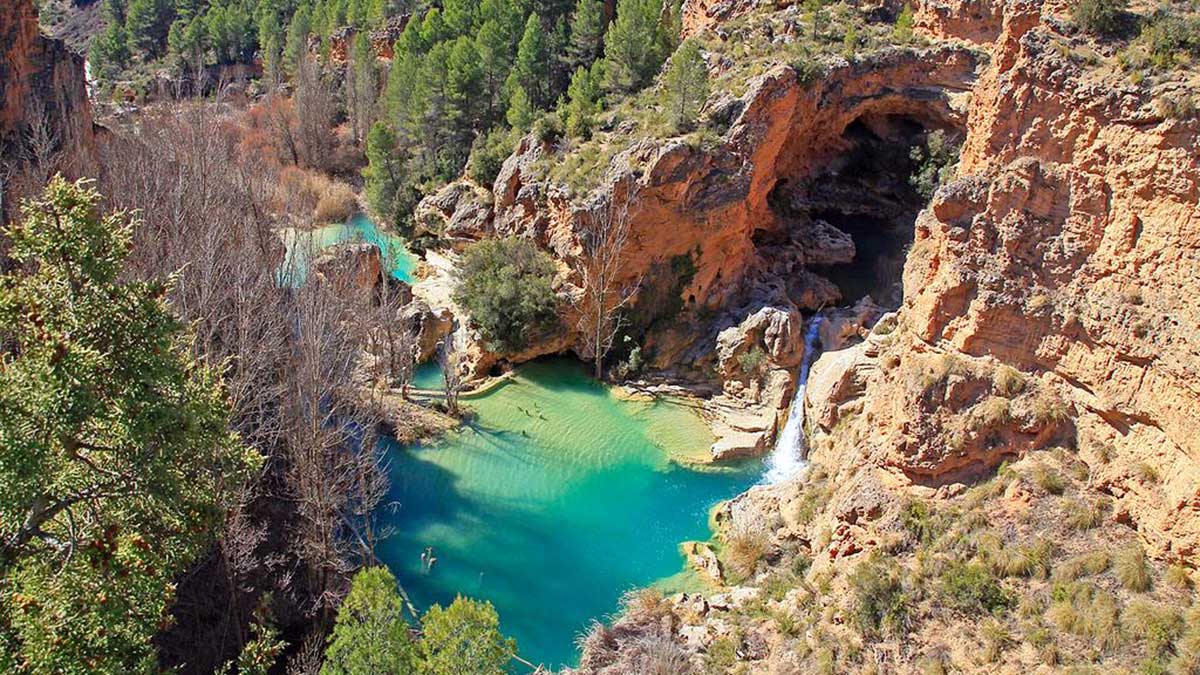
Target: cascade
(788, 456)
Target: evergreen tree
(582, 95)
(465, 88)
(116, 458)
(587, 34)
(362, 85)
(531, 70)
(903, 30)
(520, 111)
(433, 28)
(297, 38)
(460, 16)
(636, 45)
(147, 23)
(384, 172)
(495, 59)
(817, 17)
(370, 635)
(685, 85)
(271, 38)
(464, 638)
(109, 53)
(187, 43)
(850, 42)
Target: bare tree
(452, 359)
(605, 240)
(316, 108)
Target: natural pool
(304, 245)
(556, 499)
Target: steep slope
(44, 108)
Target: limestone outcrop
(45, 117)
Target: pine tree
(587, 34)
(495, 59)
(464, 638)
(147, 23)
(850, 42)
(460, 16)
(636, 45)
(685, 85)
(903, 30)
(271, 38)
(363, 85)
(297, 38)
(520, 111)
(109, 54)
(465, 88)
(817, 17)
(581, 103)
(433, 28)
(531, 70)
(370, 634)
(116, 458)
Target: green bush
(972, 588)
(506, 287)
(751, 362)
(936, 162)
(1099, 17)
(488, 153)
(881, 601)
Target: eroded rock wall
(43, 94)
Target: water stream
(303, 246)
(787, 459)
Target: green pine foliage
(507, 288)
(685, 85)
(637, 44)
(370, 634)
(583, 102)
(116, 458)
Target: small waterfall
(788, 456)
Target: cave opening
(850, 225)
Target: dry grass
(1132, 569)
(744, 545)
(1086, 611)
(1157, 625)
(1084, 515)
(1177, 576)
(1008, 381)
(1086, 564)
(1048, 479)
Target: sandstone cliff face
(43, 94)
(1067, 249)
(715, 211)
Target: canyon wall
(44, 108)
(1067, 249)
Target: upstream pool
(304, 245)
(555, 500)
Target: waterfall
(788, 456)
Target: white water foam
(787, 459)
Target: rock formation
(45, 118)
(1037, 383)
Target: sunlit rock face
(43, 94)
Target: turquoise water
(558, 498)
(304, 245)
(428, 376)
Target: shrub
(1084, 610)
(1157, 625)
(506, 287)
(751, 362)
(1132, 568)
(1008, 381)
(972, 588)
(881, 602)
(745, 544)
(995, 639)
(488, 153)
(1167, 35)
(918, 518)
(1048, 479)
(336, 204)
(1178, 576)
(936, 162)
(548, 128)
(902, 32)
(1099, 17)
(1084, 515)
(1087, 564)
